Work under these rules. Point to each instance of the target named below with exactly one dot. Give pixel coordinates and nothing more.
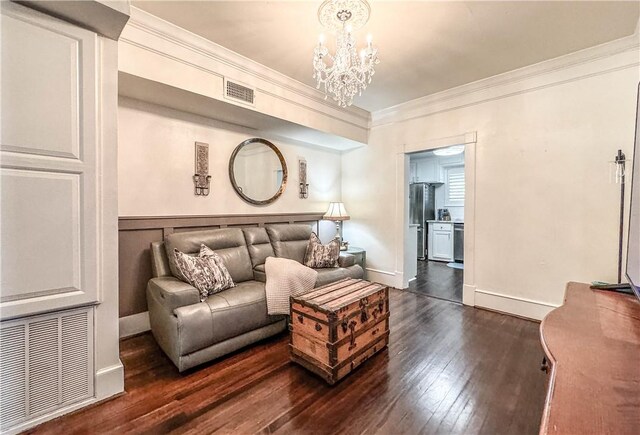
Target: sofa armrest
(346, 260)
(172, 293)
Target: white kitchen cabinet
(440, 244)
(427, 170)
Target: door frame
(402, 205)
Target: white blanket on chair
(286, 278)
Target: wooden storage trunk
(337, 327)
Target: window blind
(455, 186)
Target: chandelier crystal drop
(347, 73)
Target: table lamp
(338, 213)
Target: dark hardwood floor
(438, 280)
(448, 369)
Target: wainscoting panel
(137, 233)
(134, 259)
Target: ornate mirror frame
(238, 189)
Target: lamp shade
(336, 212)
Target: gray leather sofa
(192, 332)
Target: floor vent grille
(13, 375)
(238, 92)
(45, 363)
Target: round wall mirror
(258, 171)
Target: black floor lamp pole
(619, 287)
(620, 160)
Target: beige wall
(165, 64)
(546, 210)
(156, 165)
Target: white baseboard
(109, 381)
(517, 306)
(392, 279)
(472, 296)
(469, 295)
(134, 324)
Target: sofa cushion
(321, 256)
(238, 310)
(222, 316)
(228, 243)
(289, 240)
(258, 244)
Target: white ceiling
(424, 47)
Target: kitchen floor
(438, 280)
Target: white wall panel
(40, 249)
(50, 170)
(39, 90)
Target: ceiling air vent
(237, 92)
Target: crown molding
(574, 66)
(171, 33)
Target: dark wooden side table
(592, 345)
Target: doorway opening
(436, 217)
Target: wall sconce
(201, 178)
(302, 176)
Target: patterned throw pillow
(223, 277)
(206, 272)
(322, 256)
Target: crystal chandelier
(348, 73)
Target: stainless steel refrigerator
(422, 208)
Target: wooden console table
(592, 343)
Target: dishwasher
(458, 242)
